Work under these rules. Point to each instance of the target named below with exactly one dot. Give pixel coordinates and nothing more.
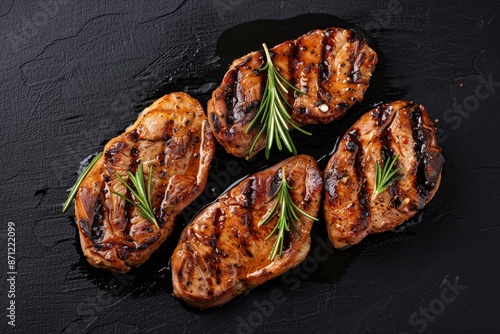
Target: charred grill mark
(343, 106)
(149, 241)
(387, 113)
(354, 145)
(396, 199)
(240, 232)
(354, 36)
(244, 219)
(218, 218)
(215, 122)
(122, 252)
(275, 183)
(252, 106)
(323, 67)
(167, 131)
(133, 136)
(161, 157)
(85, 227)
(331, 181)
(376, 114)
(386, 151)
(249, 192)
(112, 154)
(212, 259)
(128, 211)
(239, 101)
(235, 92)
(381, 114)
(243, 246)
(354, 73)
(230, 95)
(416, 121)
(97, 231)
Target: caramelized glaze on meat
(333, 67)
(172, 137)
(223, 251)
(350, 209)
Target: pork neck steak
(223, 252)
(352, 210)
(173, 138)
(333, 67)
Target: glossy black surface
(75, 75)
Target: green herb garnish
(287, 213)
(385, 176)
(140, 193)
(273, 114)
(79, 181)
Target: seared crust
(223, 252)
(171, 136)
(351, 211)
(332, 66)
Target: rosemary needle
(287, 214)
(385, 176)
(140, 193)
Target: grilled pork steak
(173, 138)
(333, 67)
(350, 207)
(223, 252)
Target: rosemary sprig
(287, 213)
(273, 114)
(79, 181)
(140, 193)
(385, 176)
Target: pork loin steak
(333, 67)
(223, 252)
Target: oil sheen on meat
(223, 252)
(172, 137)
(333, 67)
(350, 207)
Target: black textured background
(75, 74)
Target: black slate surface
(74, 74)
